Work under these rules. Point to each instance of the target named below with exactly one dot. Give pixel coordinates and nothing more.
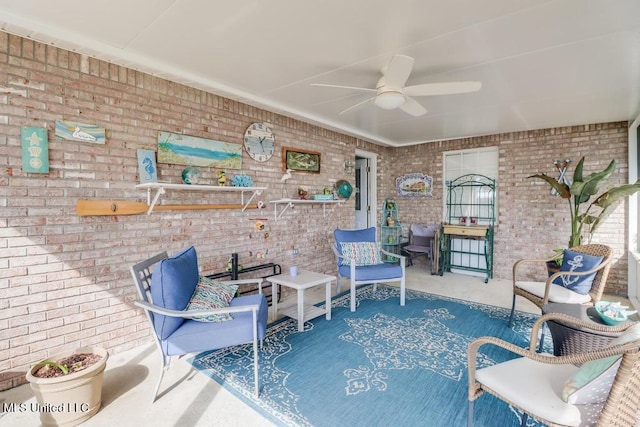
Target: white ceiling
(541, 63)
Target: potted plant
(580, 192)
(68, 386)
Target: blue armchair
(359, 259)
(166, 292)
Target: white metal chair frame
(142, 272)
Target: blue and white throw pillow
(577, 262)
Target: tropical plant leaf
(614, 194)
(607, 201)
(577, 173)
(587, 219)
(562, 188)
(601, 217)
(583, 190)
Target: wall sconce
(349, 165)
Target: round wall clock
(259, 142)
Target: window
(482, 161)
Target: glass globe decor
(190, 175)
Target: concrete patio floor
(188, 398)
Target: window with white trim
(482, 161)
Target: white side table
(304, 280)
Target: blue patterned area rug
(383, 365)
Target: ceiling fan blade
(397, 71)
(357, 105)
(344, 87)
(446, 88)
(411, 106)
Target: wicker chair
(533, 383)
(541, 293)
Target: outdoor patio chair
(597, 387)
(543, 292)
(360, 259)
(420, 242)
(179, 306)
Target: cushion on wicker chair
(556, 293)
(534, 387)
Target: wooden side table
(568, 339)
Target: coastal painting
(414, 185)
(35, 150)
(74, 131)
(187, 150)
(147, 169)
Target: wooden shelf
(289, 203)
(462, 230)
(161, 188)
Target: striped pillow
(364, 253)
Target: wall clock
(259, 142)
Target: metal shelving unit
(390, 230)
(466, 241)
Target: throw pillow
(210, 294)
(229, 288)
(364, 253)
(577, 262)
(592, 382)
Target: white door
(362, 192)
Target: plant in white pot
(68, 386)
(580, 192)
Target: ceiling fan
(391, 92)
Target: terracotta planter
(70, 399)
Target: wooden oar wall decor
(127, 207)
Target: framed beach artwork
(300, 160)
(74, 131)
(414, 185)
(187, 150)
(147, 169)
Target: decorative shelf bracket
(161, 188)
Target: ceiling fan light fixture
(389, 100)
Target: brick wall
(531, 222)
(64, 279)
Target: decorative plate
(414, 185)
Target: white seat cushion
(534, 387)
(557, 293)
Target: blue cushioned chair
(164, 293)
(380, 272)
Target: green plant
(579, 193)
(558, 255)
(60, 366)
